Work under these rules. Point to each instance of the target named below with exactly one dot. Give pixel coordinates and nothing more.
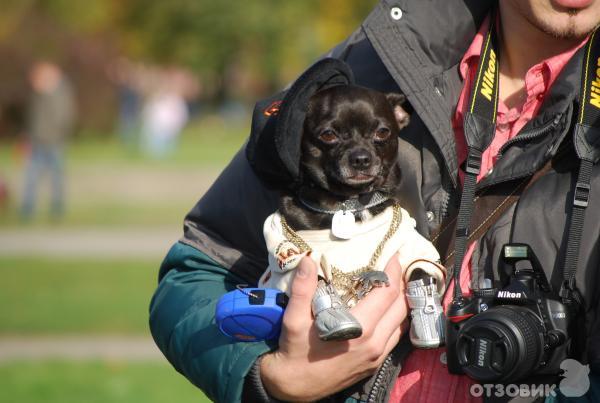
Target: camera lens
(502, 344)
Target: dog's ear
(401, 115)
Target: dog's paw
(288, 255)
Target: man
(51, 118)
(428, 51)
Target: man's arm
(182, 322)
(183, 327)
(182, 310)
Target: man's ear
(401, 115)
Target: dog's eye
(383, 133)
(328, 136)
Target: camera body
(503, 335)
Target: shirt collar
(549, 68)
(473, 53)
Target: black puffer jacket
(413, 47)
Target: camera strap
(587, 135)
(487, 209)
(480, 128)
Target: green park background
(57, 280)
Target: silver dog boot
(332, 317)
(428, 323)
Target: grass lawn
(105, 214)
(50, 296)
(95, 381)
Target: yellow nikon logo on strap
(487, 85)
(595, 88)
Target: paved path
(136, 348)
(94, 182)
(89, 243)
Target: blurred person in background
(126, 76)
(3, 187)
(3, 194)
(164, 115)
(50, 121)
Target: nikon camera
(503, 335)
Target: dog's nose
(360, 159)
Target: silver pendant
(343, 225)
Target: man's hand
(305, 368)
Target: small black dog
(349, 151)
(348, 168)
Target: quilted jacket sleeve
(183, 325)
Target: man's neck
(523, 45)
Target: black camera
(505, 334)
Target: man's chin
(570, 32)
(565, 20)
(571, 24)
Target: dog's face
(350, 139)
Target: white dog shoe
(428, 322)
(333, 319)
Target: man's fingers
(371, 309)
(394, 270)
(398, 310)
(298, 310)
(392, 341)
(392, 319)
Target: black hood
(274, 146)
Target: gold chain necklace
(344, 281)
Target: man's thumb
(303, 289)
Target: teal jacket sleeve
(182, 322)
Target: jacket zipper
(379, 379)
(531, 135)
(446, 203)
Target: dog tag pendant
(343, 224)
